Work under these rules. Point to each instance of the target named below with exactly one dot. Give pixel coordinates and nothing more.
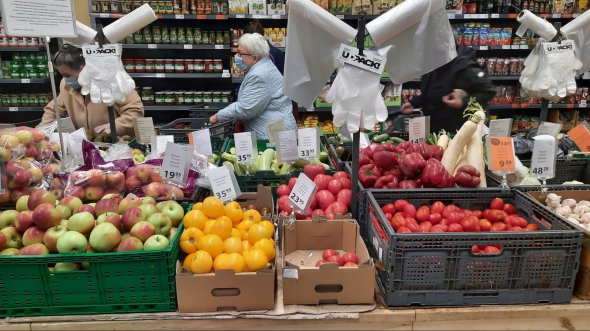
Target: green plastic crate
(125, 282)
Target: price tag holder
(505, 46)
(581, 136)
(501, 154)
(144, 129)
(159, 143)
(543, 160)
(340, 17)
(179, 16)
(201, 141)
(483, 48)
(583, 104)
(495, 15)
(224, 184)
(418, 127)
(500, 128)
(218, 46)
(246, 149)
(176, 163)
(309, 143)
(273, 129)
(550, 129)
(240, 16)
(287, 146)
(302, 193)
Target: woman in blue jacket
(260, 99)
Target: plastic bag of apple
(145, 180)
(218, 236)
(332, 198)
(42, 225)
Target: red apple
(143, 173)
(34, 249)
(107, 205)
(116, 180)
(3, 241)
(24, 220)
(94, 193)
(110, 217)
(131, 217)
(85, 208)
(38, 197)
(46, 215)
(132, 182)
(71, 202)
(130, 244)
(51, 236)
(75, 191)
(96, 177)
(174, 193)
(130, 201)
(33, 235)
(143, 230)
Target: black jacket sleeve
(477, 84)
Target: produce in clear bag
(94, 184)
(145, 180)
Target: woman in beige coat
(85, 114)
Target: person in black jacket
(446, 91)
(276, 55)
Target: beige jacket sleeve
(127, 111)
(49, 114)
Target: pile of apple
(93, 185)
(41, 225)
(332, 198)
(146, 177)
(348, 259)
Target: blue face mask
(73, 83)
(239, 62)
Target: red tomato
(389, 208)
(455, 227)
(338, 208)
(444, 222)
(444, 227)
(334, 186)
(515, 228)
(292, 181)
(449, 209)
(435, 218)
(485, 225)
(425, 226)
(497, 203)
(388, 216)
(496, 215)
(325, 198)
(404, 229)
(336, 259)
(469, 223)
(396, 223)
(327, 253)
(350, 257)
(467, 212)
(283, 190)
(413, 226)
(340, 174)
(409, 210)
(438, 228)
(346, 183)
(322, 181)
(491, 250)
(400, 204)
(423, 214)
(486, 213)
(477, 213)
(345, 195)
(498, 226)
(509, 209)
(319, 263)
(437, 207)
(455, 217)
(532, 227)
(475, 249)
(518, 221)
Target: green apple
(156, 242)
(148, 210)
(13, 238)
(10, 251)
(174, 211)
(105, 237)
(8, 218)
(161, 222)
(71, 242)
(21, 203)
(82, 222)
(65, 211)
(51, 236)
(66, 266)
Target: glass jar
(226, 38)
(161, 7)
(24, 100)
(207, 97)
(129, 65)
(189, 98)
(129, 39)
(136, 4)
(179, 66)
(147, 96)
(179, 98)
(105, 7)
(208, 66)
(181, 36)
(226, 96)
(169, 66)
(150, 65)
(160, 98)
(193, 6)
(173, 35)
(190, 36)
(126, 7)
(147, 35)
(205, 37)
(17, 57)
(115, 7)
(32, 73)
(169, 98)
(156, 35)
(199, 66)
(165, 35)
(160, 65)
(198, 36)
(198, 97)
(200, 7)
(216, 96)
(138, 37)
(177, 9)
(15, 73)
(208, 8)
(217, 66)
(28, 64)
(169, 7)
(140, 65)
(189, 65)
(43, 99)
(219, 38)
(34, 100)
(14, 100)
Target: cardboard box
(225, 289)
(566, 117)
(304, 283)
(257, 7)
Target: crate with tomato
(463, 247)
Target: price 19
(172, 174)
(540, 170)
(306, 152)
(245, 158)
(223, 193)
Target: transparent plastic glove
(531, 66)
(105, 79)
(557, 70)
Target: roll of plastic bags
(86, 35)
(314, 38)
(578, 30)
(420, 36)
(130, 23)
(536, 24)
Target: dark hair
(254, 26)
(70, 56)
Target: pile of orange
(218, 236)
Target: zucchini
(232, 150)
(265, 160)
(397, 140)
(324, 157)
(380, 138)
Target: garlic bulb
(569, 202)
(581, 209)
(564, 211)
(584, 203)
(553, 200)
(573, 220)
(585, 218)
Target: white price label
(159, 143)
(302, 193)
(225, 75)
(176, 163)
(276, 17)
(224, 184)
(556, 15)
(160, 75)
(418, 128)
(25, 81)
(495, 15)
(451, 16)
(179, 17)
(218, 46)
(240, 16)
(583, 104)
(469, 16)
(201, 140)
(341, 17)
(550, 129)
(188, 46)
(364, 140)
(483, 16)
(309, 143)
(500, 128)
(524, 46)
(483, 48)
(505, 46)
(371, 61)
(258, 16)
(287, 146)
(514, 47)
(103, 15)
(152, 46)
(97, 51)
(12, 108)
(245, 150)
(543, 160)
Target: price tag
(179, 17)
(514, 47)
(225, 75)
(176, 163)
(469, 16)
(25, 81)
(483, 16)
(556, 15)
(276, 17)
(160, 75)
(341, 17)
(152, 46)
(240, 16)
(12, 108)
(371, 61)
(495, 15)
(483, 48)
(144, 129)
(258, 16)
(159, 143)
(501, 154)
(201, 141)
(581, 136)
(302, 193)
(102, 15)
(273, 129)
(451, 16)
(246, 149)
(218, 46)
(309, 143)
(188, 46)
(548, 128)
(500, 128)
(224, 184)
(524, 46)
(543, 160)
(364, 140)
(418, 127)
(583, 104)
(505, 46)
(66, 125)
(287, 146)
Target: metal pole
(111, 111)
(54, 90)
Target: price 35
(223, 193)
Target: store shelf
(22, 48)
(390, 109)
(259, 17)
(175, 46)
(24, 81)
(502, 47)
(283, 49)
(504, 16)
(196, 108)
(163, 75)
(539, 106)
(11, 109)
(167, 16)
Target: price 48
(540, 170)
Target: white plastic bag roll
(420, 36)
(578, 30)
(86, 35)
(535, 23)
(129, 23)
(314, 38)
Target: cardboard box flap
(261, 199)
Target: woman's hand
(213, 119)
(103, 128)
(407, 108)
(455, 98)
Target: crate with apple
(128, 245)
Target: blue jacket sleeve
(252, 102)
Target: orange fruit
(234, 212)
(267, 246)
(208, 226)
(270, 228)
(189, 240)
(211, 244)
(238, 262)
(255, 259)
(232, 245)
(244, 226)
(198, 206)
(213, 207)
(252, 215)
(201, 263)
(232, 261)
(236, 233)
(246, 246)
(195, 219)
(221, 227)
(257, 232)
(188, 260)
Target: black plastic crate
(565, 170)
(219, 132)
(439, 269)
